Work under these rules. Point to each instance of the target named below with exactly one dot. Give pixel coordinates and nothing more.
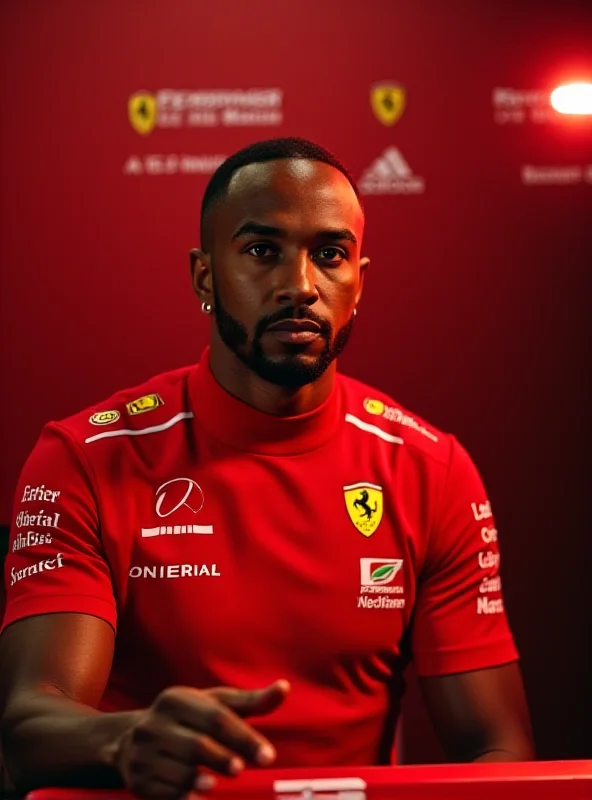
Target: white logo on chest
(172, 496)
(175, 498)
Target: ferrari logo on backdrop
(364, 506)
(388, 102)
(142, 112)
(143, 404)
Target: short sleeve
(55, 561)
(459, 621)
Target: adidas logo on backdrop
(390, 174)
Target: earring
(355, 311)
(207, 308)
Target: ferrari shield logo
(364, 506)
(142, 112)
(387, 101)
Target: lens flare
(573, 98)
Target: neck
(241, 382)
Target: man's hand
(159, 755)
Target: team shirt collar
(245, 428)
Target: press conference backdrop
(479, 206)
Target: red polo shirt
(229, 547)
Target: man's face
(285, 267)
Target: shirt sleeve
(56, 562)
(459, 621)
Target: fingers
(186, 729)
(160, 777)
(207, 716)
(204, 782)
(193, 748)
(253, 703)
(172, 762)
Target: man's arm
(462, 645)
(57, 646)
(56, 652)
(53, 670)
(480, 715)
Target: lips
(295, 326)
(297, 332)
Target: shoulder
(153, 405)
(374, 411)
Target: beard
(292, 370)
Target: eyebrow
(252, 228)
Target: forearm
(500, 755)
(49, 740)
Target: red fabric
(275, 590)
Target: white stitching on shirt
(365, 426)
(153, 429)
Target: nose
(296, 282)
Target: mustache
(292, 312)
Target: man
(255, 536)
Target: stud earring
(207, 308)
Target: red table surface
(552, 780)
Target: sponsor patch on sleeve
(143, 404)
(104, 418)
(379, 409)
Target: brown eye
(261, 250)
(331, 255)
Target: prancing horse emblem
(364, 506)
(362, 502)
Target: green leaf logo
(385, 571)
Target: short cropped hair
(268, 150)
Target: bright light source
(574, 98)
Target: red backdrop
(477, 303)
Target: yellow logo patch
(364, 506)
(143, 404)
(375, 407)
(388, 102)
(104, 417)
(141, 109)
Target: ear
(364, 263)
(201, 275)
